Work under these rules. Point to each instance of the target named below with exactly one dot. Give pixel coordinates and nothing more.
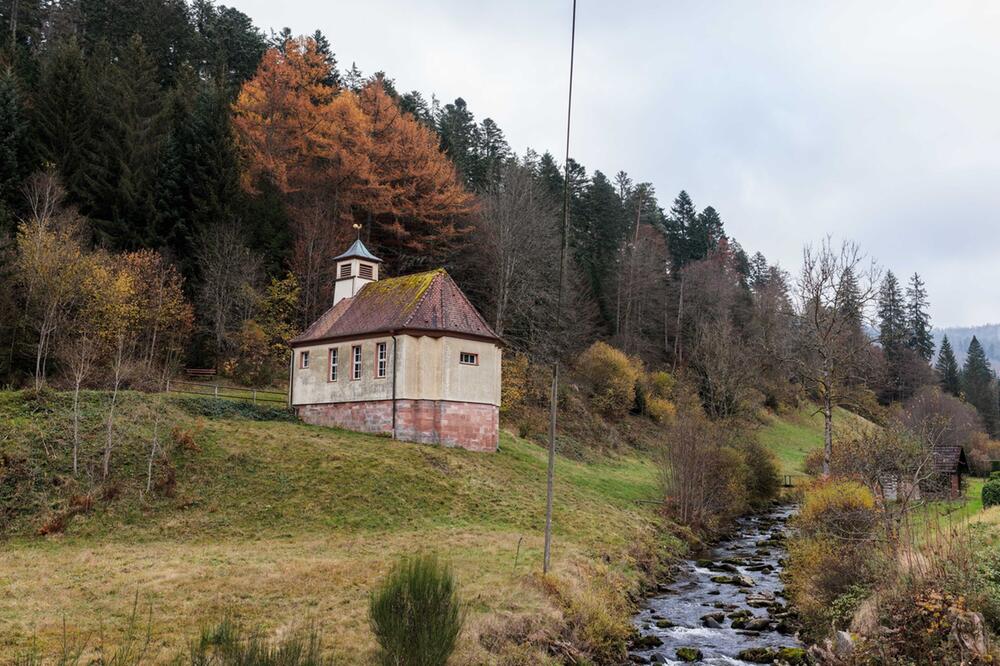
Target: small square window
(468, 358)
(333, 364)
(304, 360)
(380, 359)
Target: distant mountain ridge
(960, 337)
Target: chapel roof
(422, 302)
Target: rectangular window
(356, 365)
(366, 271)
(333, 364)
(468, 358)
(345, 270)
(304, 360)
(380, 359)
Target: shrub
(982, 452)
(991, 491)
(416, 614)
(661, 384)
(660, 410)
(611, 377)
(839, 508)
(833, 553)
(763, 482)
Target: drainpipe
(291, 377)
(394, 386)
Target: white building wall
(429, 369)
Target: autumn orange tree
(340, 158)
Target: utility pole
(554, 398)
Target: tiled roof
(429, 301)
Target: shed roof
(949, 459)
(429, 301)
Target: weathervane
(358, 227)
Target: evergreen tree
(947, 369)
(759, 270)
(198, 183)
(413, 102)
(599, 226)
(62, 114)
(921, 340)
(551, 175)
(893, 333)
(704, 234)
(13, 147)
(680, 221)
(324, 49)
(978, 385)
(228, 45)
(849, 296)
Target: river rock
(657, 658)
(724, 566)
(646, 642)
(638, 659)
(711, 623)
(742, 613)
(664, 624)
(688, 654)
(745, 581)
(759, 624)
(717, 616)
(792, 656)
(758, 655)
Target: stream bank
(726, 607)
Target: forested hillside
(961, 336)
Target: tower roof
(358, 250)
(426, 303)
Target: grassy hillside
(283, 524)
(793, 435)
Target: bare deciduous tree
(229, 271)
(832, 294)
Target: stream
(726, 607)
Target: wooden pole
(554, 397)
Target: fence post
(216, 390)
(168, 386)
(255, 396)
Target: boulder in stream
(688, 654)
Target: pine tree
(893, 330)
(599, 229)
(947, 369)
(921, 340)
(978, 385)
(324, 49)
(850, 298)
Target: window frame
(333, 365)
(304, 359)
(356, 363)
(463, 354)
(381, 360)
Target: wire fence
(226, 392)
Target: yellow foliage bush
(660, 410)
(842, 508)
(611, 376)
(661, 384)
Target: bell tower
(355, 268)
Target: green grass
(794, 435)
(279, 522)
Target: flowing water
(726, 603)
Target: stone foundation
(473, 426)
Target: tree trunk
(76, 425)
(827, 431)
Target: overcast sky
(873, 121)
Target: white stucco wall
(428, 367)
